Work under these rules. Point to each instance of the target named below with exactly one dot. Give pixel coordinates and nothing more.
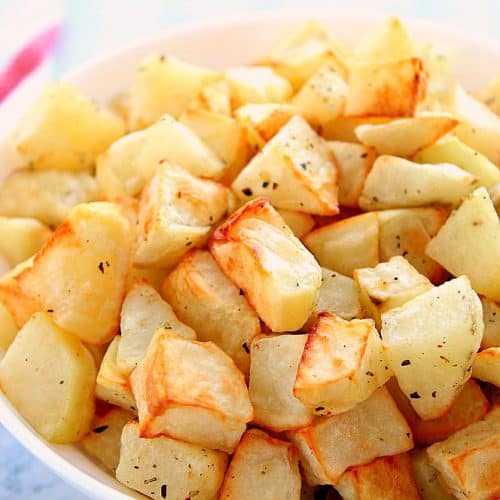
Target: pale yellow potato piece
(256, 84)
(388, 285)
(260, 255)
(354, 161)
(262, 467)
(346, 245)
(385, 89)
(322, 97)
(176, 212)
(486, 366)
(82, 270)
(296, 160)
(167, 468)
(205, 299)
(21, 238)
(17, 304)
(64, 130)
(344, 128)
(144, 312)
(342, 365)
(470, 236)
(151, 275)
(490, 94)
(407, 136)
(395, 182)
(450, 149)
(468, 461)
(273, 368)
(427, 478)
(164, 85)
(491, 317)
(49, 377)
(112, 385)
(8, 327)
(46, 195)
(390, 478)
(214, 96)
(97, 352)
(103, 442)
(494, 193)
(431, 342)
(330, 445)
(299, 222)
(191, 391)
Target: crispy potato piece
(205, 299)
(299, 222)
(214, 96)
(112, 385)
(430, 344)
(191, 391)
(388, 285)
(176, 211)
(390, 478)
(164, 85)
(490, 95)
(341, 366)
(258, 252)
(273, 368)
(344, 128)
(103, 441)
(450, 149)
(21, 238)
(427, 478)
(144, 312)
(49, 376)
(346, 245)
(486, 366)
(491, 317)
(386, 89)
(296, 160)
(394, 182)
(262, 467)
(166, 468)
(46, 195)
(469, 406)
(256, 84)
(64, 130)
(83, 269)
(407, 136)
(469, 460)
(354, 161)
(371, 429)
(474, 229)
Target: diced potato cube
(341, 366)
(474, 229)
(166, 468)
(176, 211)
(112, 385)
(144, 312)
(46, 195)
(205, 299)
(83, 269)
(346, 245)
(427, 478)
(273, 368)
(214, 96)
(296, 160)
(386, 89)
(299, 222)
(388, 285)
(49, 377)
(390, 478)
(394, 182)
(8, 327)
(468, 460)
(103, 441)
(191, 391)
(259, 253)
(262, 467)
(164, 85)
(372, 429)
(469, 406)
(431, 342)
(491, 317)
(65, 130)
(151, 275)
(486, 366)
(354, 161)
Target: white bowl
(219, 44)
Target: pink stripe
(27, 60)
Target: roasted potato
(491, 317)
(215, 96)
(486, 366)
(299, 222)
(49, 377)
(490, 95)
(427, 478)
